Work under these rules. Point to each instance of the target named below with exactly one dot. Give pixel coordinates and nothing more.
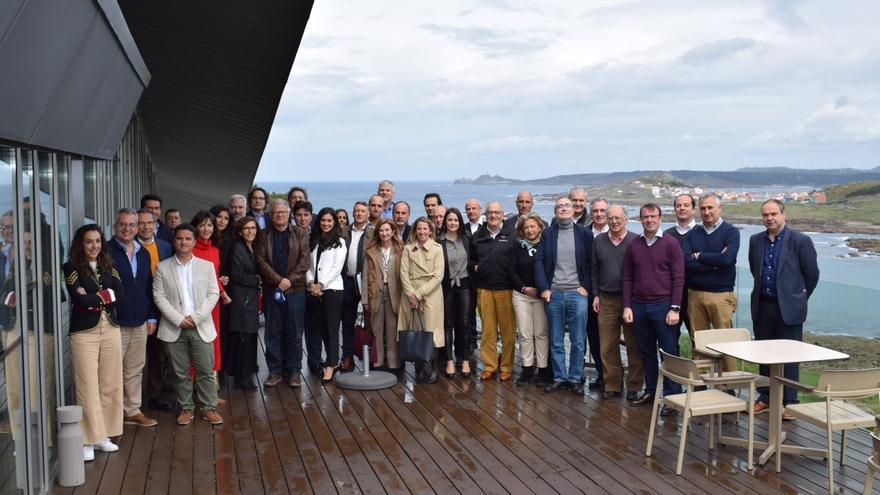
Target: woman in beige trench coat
(421, 271)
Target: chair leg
(842, 447)
(869, 477)
(654, 407)
(751, 430)
(830, 436)
(681, 443)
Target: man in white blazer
(185, 290)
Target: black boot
(544, 376)
(525, 376)
(432, 371)
(419, 373)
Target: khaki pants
(190, 348)
(531, 321)
(496, 313)
(384, 326)
(610, 323)
(97, 374)
(708, 310)
(134, 355)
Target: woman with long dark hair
(421, 300)
(456, 293)
(208, 248)
(324, 284)
(222, 219)
(381, 290)
(95, 289)
(244, 317)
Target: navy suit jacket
(797, 274)
(163, 248)
(165, 233)
(545, 258)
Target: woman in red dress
(207, 248)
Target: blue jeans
(284, 330)
(567, 308)
(651, 331)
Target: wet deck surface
(457, 436)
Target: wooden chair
(873, 461)
(691, 403)
(835, 413)
(711, 360)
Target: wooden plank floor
(457, 436)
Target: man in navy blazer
(562, 276)
(784, 266)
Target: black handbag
(415, 345)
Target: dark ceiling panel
(218, 71)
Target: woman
(207, 248)
(244, 319)
(222, 218)
(421, 301)
(456, 293)
(342, 218)
(324, 284)
(95, 288)
(531, 319)
(381, 290)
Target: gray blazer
(166, 294)
(797, 274)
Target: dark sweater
(714, 271)
(522, 270)
(608, 263)
(492, 258)
(653, 274)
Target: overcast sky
(411, 90)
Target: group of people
(187, 297)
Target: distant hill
(743, 177)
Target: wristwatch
(675, 308)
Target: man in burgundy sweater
(653, 279)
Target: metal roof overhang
(218, 71)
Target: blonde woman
(381, 293)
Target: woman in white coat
(421, 271)
(324, 284)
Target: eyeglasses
(494, 212)
(6, 226)
(563, 207)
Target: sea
(844, 303)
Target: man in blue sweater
(135, 312)
(710, 251)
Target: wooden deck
(457, 436)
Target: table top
(780, 351)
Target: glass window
(90, 174)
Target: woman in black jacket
(456, 293)
(531, 320)
(244, 319)
(222, 220)
(95, 288)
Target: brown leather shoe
(272, 380)
(787, 416)
(487, 375)
(140, 420)
(760, 407)
(295, 380)
(185, 417)
(213, 417)
(347, 364)
(504, 376)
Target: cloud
(521, 144)
(494, 42)
(836, 122)
(708, 53)
(783, 12)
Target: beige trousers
(531, 321)
(134, 355)
(708, 310)
(97, 374)
(610, 323)
(496, 312)
(384, 325)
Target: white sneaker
(106, 446)
(88, 453)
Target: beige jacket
(371, 278)
(421, 271)
(166, 294)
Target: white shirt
(600, 231)
(475, 226)
(185, 286)
(351, 260)
(687, 228)
(713, 227)
(650, 242)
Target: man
(386, 191)
(158, 250)
(684, 207)
(524, 204)
(491, 251)
(376, 206)
(295, 195)
(257, 203)
(359, 232)
(598, 225)
(153, 203)
(431, 200)
(302, 216)
(607, 291)
(578, 197)
(473, 211)
(401, 220)
(172, 218)
(185, 291)
(439, 215)
(135, 312)
(653, 278)
(783, 264)
(562, 276)
(304, 219)
(237, 207)
(710, 268)
(282, 256)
